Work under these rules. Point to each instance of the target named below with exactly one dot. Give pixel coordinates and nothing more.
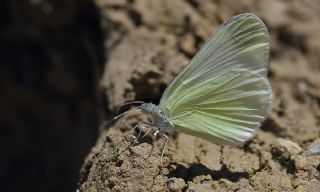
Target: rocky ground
(147, 42)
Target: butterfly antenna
(129, 103)
(124, 104)
(121, 120)
(124, 113)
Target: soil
(148, 42)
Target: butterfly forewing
(223, 94)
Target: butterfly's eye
(161, 113)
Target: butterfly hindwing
(229, 113)
(223, 94)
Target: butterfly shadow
(197, 169)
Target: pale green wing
(223, 94)
(227, 114)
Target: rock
(300, 162)
(176, 184)
(313, 148)
(285, 148)
(150, 42)
(237, 160)
(187, 44)
(272, 181)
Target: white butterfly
(223, 94)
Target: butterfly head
(160, 118)
(152, 109)
(148, 108)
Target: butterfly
(223, 94)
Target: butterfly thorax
(160, 118)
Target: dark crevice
(50, 68)
(135, 17)
(287, 37)
(193, 3)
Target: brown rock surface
(147, 44)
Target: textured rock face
(148, 42)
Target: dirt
(148, 42)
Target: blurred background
(50, 62)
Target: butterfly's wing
(223, 94)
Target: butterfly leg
(153, 140)
(164, 145)
(141, 127)
(128, 133)
(147, 131)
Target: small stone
(312, 185)
(271, 181)
(176, 184)
(187, 44)
(237, 160)
(225, 182)
(285, 148)
(159, 184)
(313, 149)
(300, 162)
(201, 178)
